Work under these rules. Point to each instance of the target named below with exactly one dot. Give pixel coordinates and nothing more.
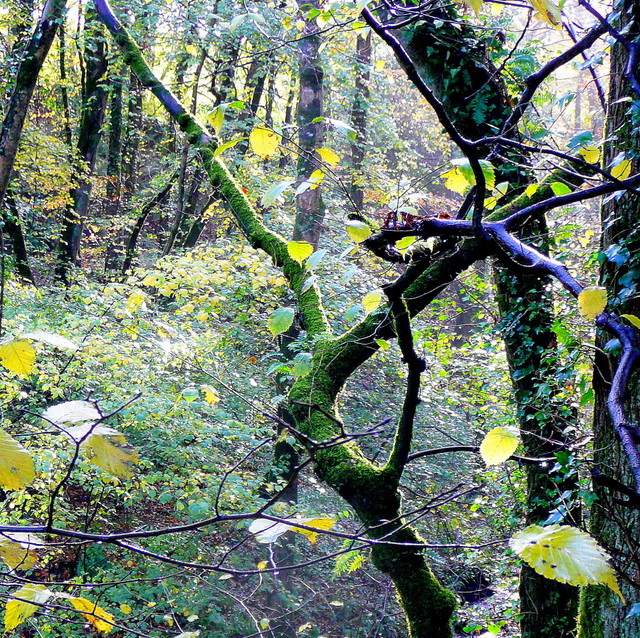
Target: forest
(320, 319)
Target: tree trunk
(25, 83)
(310, 207)
(616, 526)
(359, 109)
(13, 228)
(94, 104)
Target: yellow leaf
(16, 465)
(262, 565)
(476, 5)
(531, 189)
(455, 180)
(498, 445)
(125, 609)
(216, 119)
(97, 616)
(328, 156)
(18, 357)
(299, 250)
(17, 611)
(547, 12)
(405, 242)
(112, 454)
(371, 301)
(358, 231)
(320, 523)
(590, 154)
(622, 170)
(264, 142)
(15, 552)
(633, 320)
(565, 554)
(210, 394)
(592, 301)
(135, 300)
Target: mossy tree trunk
(371, 490)
(94, 104)
(456, 67)
(614, 524)
(359, 110)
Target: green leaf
(280, 320)
(560, 188)
(17, 469)
(565, 554)
(383, 344)
(18, 356)
(592, 301)
(531, 190)
(216, 118)
(275, 191)
(358, 230)
(315, 259)
(17, 611)
(301, 365)
(299, 250)
(264, 142)
(499, 444)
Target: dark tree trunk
(94, 104)
(603, 614)
(359, 110)
(156, 200)
(13, 229)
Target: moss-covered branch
(257, 234)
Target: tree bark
(359, 109)
(94, 104)
(616, 526)
(310, 207)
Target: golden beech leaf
(590, 154)
(548, 12)
(565, 554)
(264, 142)
(328, 156)
(456, 181)
(263, 565)
(476, 5)
(498, 445)
(16, 465)
(97, 616)
(210, 394)
(592, 301)
(320, 523)
(19, 608)
(622, 170)
(15, 550)
(111, 453)
(299, 250)
(18, 356)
